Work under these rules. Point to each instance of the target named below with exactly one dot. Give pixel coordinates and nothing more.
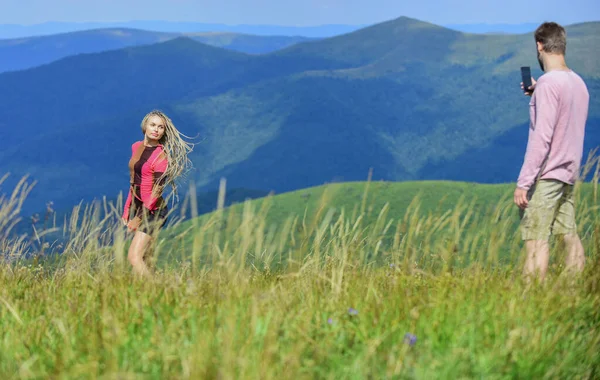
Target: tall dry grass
(330, 294)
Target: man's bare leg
(575, 260)
(538, 256)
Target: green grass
(429, 221)
(338, 304)
(434, 196)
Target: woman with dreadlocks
(156, 161)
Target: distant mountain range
(27, 52)
(483, 28)
(24, 53)
(319, 31)
(408, 99)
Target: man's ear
(540, 46)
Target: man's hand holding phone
(529, 91)
(528, 83)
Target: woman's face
(155, 128)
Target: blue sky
(300, 12)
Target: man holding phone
(558, 112)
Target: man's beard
(540, 61)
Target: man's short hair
(553, 37)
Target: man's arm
(540, 137)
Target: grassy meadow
(346, 281)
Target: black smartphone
(526, 78)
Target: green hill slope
(425, 220)
(435, 198)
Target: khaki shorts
(551, 211)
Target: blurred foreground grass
(330, 291)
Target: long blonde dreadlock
(175, 149)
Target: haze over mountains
(409, 99)
(320, 31)
(24, 53)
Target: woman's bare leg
(140, 244)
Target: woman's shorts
(152, 221)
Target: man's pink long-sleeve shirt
(558, 112)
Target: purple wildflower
(330, 321)
(352, 311)
(410, 339)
